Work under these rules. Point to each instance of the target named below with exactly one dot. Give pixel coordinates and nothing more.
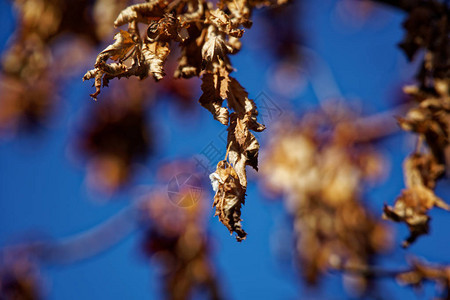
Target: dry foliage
(427, 28)
(19, 277)
(422, 272)
(320, 168)
(31, 67)
(176, 239)
(320, 165)
(411, 207)
(207, 34)
(115, 136)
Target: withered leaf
(239, 9)
(230, 180)
(206, 35)
(190, 61)
(229, 197)
(431, 120)
(422, 272)
(98, 73)
(320, 171)
(117, 51)
(417, 199)
(166, 29)
(243, 146)
(222, 21)
(122, 45)
(154, 55)
(140, 13)
(211, 98)
(238, 100)
(215, 45)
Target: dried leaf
(215, 46)
(140, 13)
(98, 73)
(211, 98)
(319, 171)
(431, 120)
(154, 55)
(176, 238)
(122, 45)
(418, 198)
(190, 61)
(224, 22)
(229, 197)
(243, 145)
(422, 272)
(207, 36)
(238, 101)
(427, 27)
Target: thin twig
(86, 244)
(371, 271)
(405, 5)
(379, 125)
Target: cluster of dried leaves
(422, 272)
(427, 29)
(320, 167)
(421, 172)
(283, 33)
(36, 58)
(176, 239)
(206, 34)
(50, 43)
(19, 277)
(116, 136)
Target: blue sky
(43, 193)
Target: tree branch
(370, 271)
(379, 125)
(84, 245)
(405, 5)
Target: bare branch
(86, 244)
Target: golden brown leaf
(215, 46)
(140, 13)
(207, 36)
(211, 98)
(418, 198)
(422, 272)
(229, 197)
(238, 100)
(244, 147)
(319, 171)
(122, 45)
(154, 55)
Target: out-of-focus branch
(416, 275)
(405, 5)
(95, 240)
(379, 125)
(85, 245)
(371, 271)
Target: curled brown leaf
(412, 206)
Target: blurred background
(60, 176)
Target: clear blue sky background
(42, 192)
